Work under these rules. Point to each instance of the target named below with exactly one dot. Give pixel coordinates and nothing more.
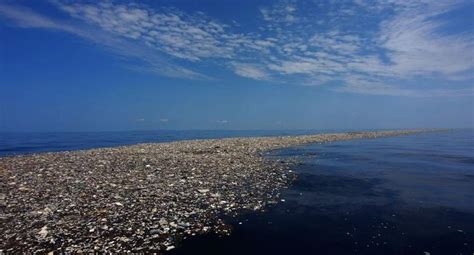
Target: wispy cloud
(250, 71)
(415, 45)
(281, 12)
(191, 37)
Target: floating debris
(43, 232)
(141, 198)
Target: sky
(70, 65)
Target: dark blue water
(25, 143)
(399, 195)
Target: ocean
(397, 195)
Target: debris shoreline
(141, 198)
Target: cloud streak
(150, 59)
(189, 37)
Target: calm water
(398, 195)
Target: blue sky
(121, 65)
